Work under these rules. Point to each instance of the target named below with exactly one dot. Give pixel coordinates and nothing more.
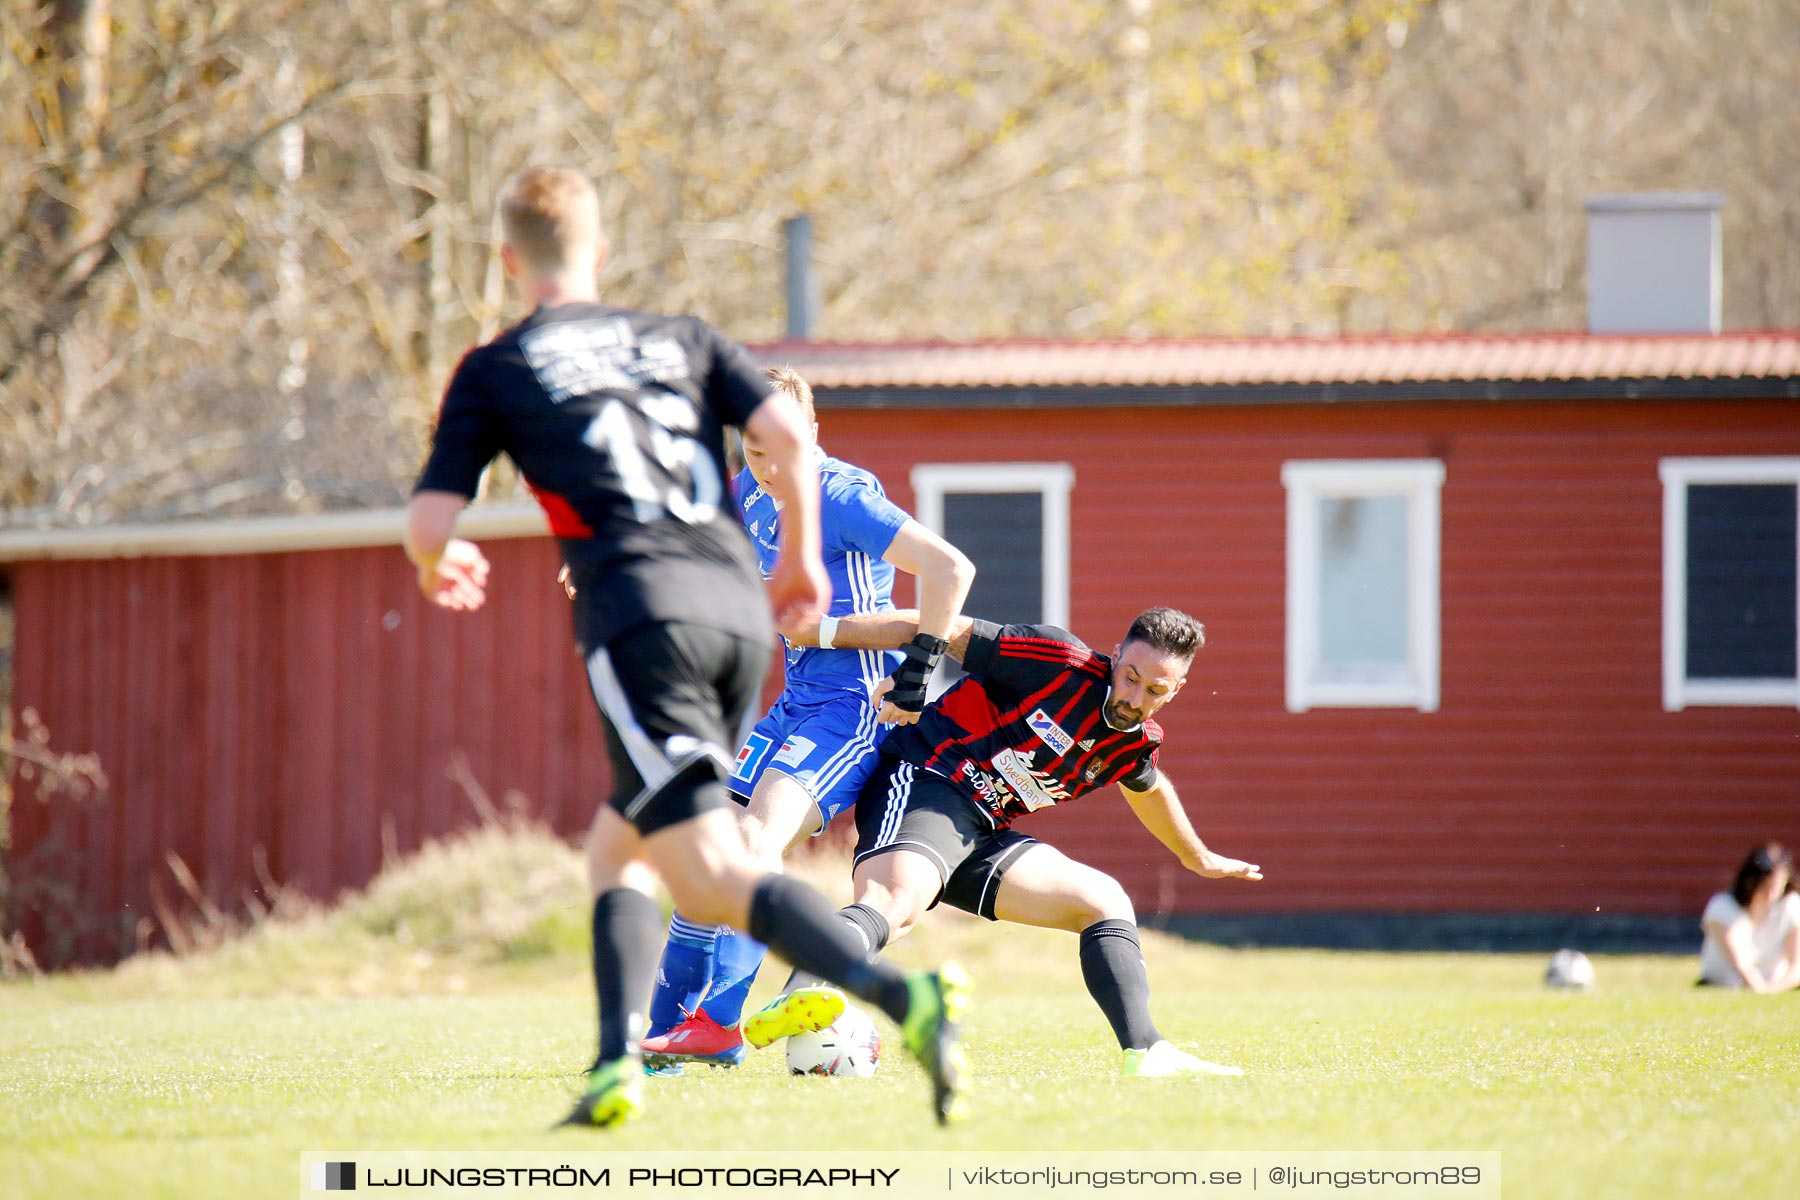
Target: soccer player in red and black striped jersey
(1040, 719)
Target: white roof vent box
(1653, 262)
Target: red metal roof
(1303, 361)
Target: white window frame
(1679, 691)
(930, 482)
(1420, 482)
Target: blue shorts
(830, 747)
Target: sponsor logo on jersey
(755, 746)
(1086, 743)
(984, 785)
(793, 752)
(575, 358)
(1034, 789)
(1049, 732)
(756, 529)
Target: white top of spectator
(1766, 938)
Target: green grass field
(207, 1077)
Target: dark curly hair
(1169, 630)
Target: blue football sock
(737, 956)
(683, 975)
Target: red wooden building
(1496, 626)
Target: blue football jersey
(857, 523)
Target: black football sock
(627, 936)
(871, 924)
(1112, 966)
(797, 923)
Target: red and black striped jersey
(1027, 728)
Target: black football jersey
(616, 420)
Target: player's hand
(568, 583)
(889, 714)
(800, 632)
(799, 591)
(458, 579)
(1217, 866)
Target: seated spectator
(1753, 931)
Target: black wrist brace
(914, 672)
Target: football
(1571, 970)
(849, 1046)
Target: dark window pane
(1740, 584)
(1003, 534)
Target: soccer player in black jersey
(615, 420)
(1039, 720)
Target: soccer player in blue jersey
(807, 759)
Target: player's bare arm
(885, 631)
(799, 589)
(959, 638)
(944, 574)
(879, 631)
(904, 699)
(1160, 811)
(452, 572)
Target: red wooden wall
(310, 704)
(1550, 780)
(307, 703)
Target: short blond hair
(788, 381)
(548, 215)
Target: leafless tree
(247, 241)
(1505, 115)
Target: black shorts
(676, 700)
(903, 807)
